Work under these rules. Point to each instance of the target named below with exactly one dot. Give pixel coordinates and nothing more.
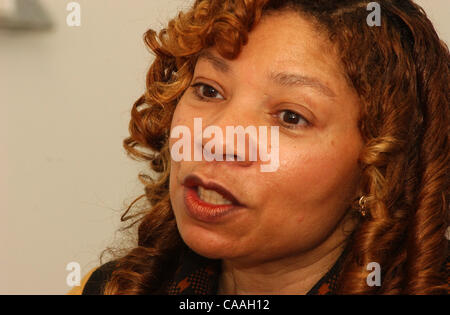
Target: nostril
(231, 157)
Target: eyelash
(197, 94)
(291, 126)
(200, 97)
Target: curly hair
(400, 73)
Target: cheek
(182, 116)
(315, 175)
(308, 193)
(179, 116)
(178, 119)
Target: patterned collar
(200, 276)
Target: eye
(292, 120)
(205, 92)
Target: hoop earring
(362, 206)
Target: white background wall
(65, 97)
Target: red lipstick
(204, 211)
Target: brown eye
(205, 91)
(292, 119)
(209, 91)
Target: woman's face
(300, 205)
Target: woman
(358, 203)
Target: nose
(229, 139)
(224, 150)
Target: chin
(205, 242)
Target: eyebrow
(292, 79)
(218, 63)
(285, 79)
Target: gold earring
(362, 206)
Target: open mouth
(208, 202)
(212, 196)
(210, 192)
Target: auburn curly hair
(400, 71)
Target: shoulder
(94, 281)
(97, 280)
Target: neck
(290, 275)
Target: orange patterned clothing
(199, 276)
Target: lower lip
(203, 211)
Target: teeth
(211, 196)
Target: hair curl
(400, 72)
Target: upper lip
(193, 180)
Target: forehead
(287, 38)
(281, 42)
